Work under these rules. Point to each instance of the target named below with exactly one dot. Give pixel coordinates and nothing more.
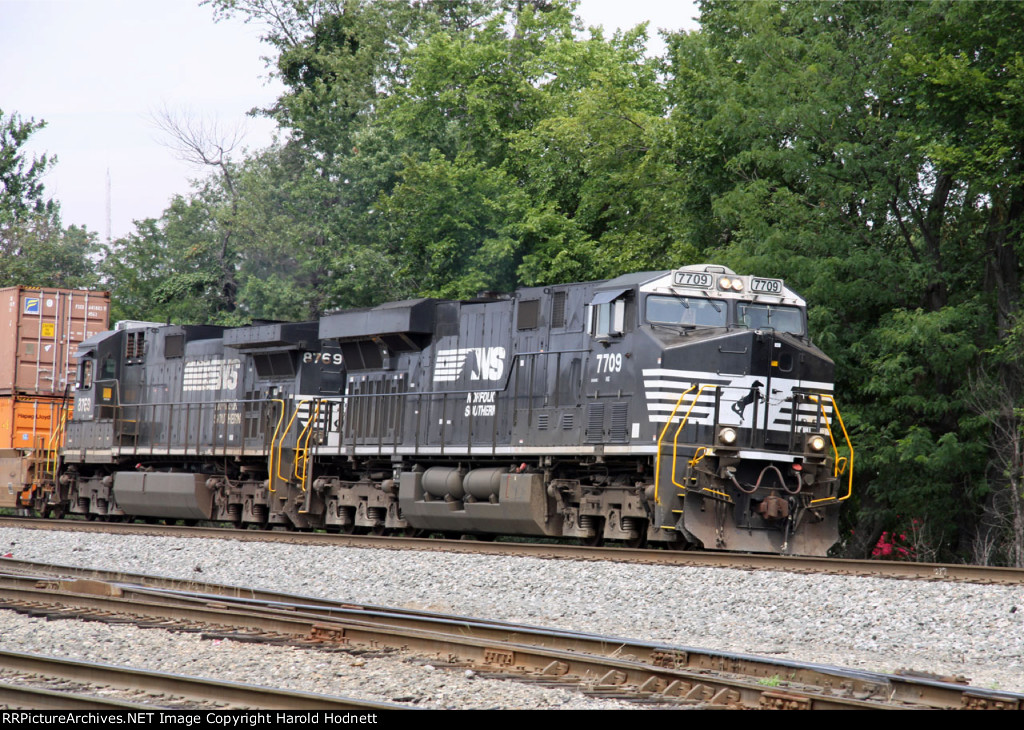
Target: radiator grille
(595, 422)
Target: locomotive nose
(742, 352)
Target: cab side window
(609, 314)
(85, 375)
(109, 369)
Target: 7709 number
(609, 362)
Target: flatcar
(684, 408)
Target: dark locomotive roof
(277, 334)
(89, 345)
(409, 317)
(628, 281)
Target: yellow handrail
(53, 444)
(675, 450)
(657, 461)
(836, 471)
(304, 436)
(280, 444)
(675, 445)
(675, 441)
(277, 428)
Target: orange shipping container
(40, 330)
(26, 423)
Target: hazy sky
(98, 70)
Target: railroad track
(833, 566)
(52, 683)
(599, 665)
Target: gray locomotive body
(681, 407)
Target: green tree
(171, 269)
(338, 57)
(35, 248)
(558, 144)
(20, 176)
(338, 60)
(967, 68)
(813, 125)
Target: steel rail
(233, 694)
(623, 676)
(990, 575)
(495, 645)
(18, 696)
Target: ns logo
(485, 363)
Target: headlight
(726, 283)
(816, 443)
(727, 436)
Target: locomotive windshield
(764, 316)
(690, 311)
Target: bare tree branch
(200, 142)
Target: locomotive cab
(747, 455)
(98, 377)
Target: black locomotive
(684, 407)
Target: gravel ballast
(875, 624)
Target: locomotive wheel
(90, 516)
(595, 540)
(483, 537)
(640, 541)
(378, 530)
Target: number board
(695, 279)
(766, 286)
